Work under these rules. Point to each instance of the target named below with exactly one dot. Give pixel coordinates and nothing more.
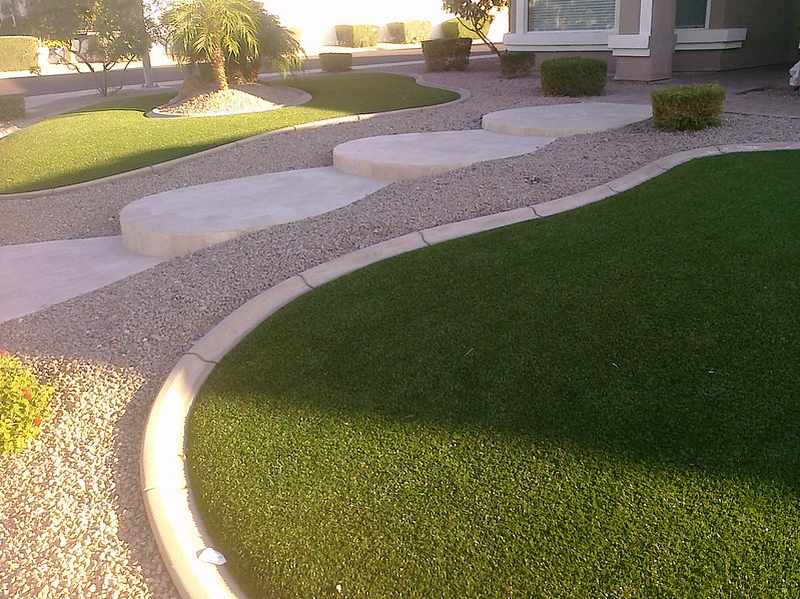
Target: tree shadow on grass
(660, 326)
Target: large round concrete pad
(415, 155)
(561, 120)
(181, 221)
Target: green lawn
(600, 404)
(115, 137)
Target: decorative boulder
(794, 76)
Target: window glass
(571, 15)
(691, 14)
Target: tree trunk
(147, 67)
(218, 70)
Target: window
(571, 15)
(691, 14)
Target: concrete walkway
(175, 223)
(561, 120)
(181, 221)
(38, 275)
(415, 155)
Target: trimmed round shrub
(18, 53)
(12, 106)
(447, 54)
(454, 28)
(409, 32)
(514, 65)
(688, 107)
(357, 36)
(24, 403)
(335, 62)
(574, 76)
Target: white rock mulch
(71, 514)
(240, 99)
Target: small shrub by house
(688, 107)
(447, 54)
(357, 36)
(574, 76)
(409, 32)
(454, 28)
(514, 65)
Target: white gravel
(71, 511)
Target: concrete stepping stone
(415, 155)
(561, 120)
(181, 221)
(38, 275)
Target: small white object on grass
(212, 556)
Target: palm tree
(277, 45)
(210, 30)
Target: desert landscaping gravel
(71, 518)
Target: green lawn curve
(599, 404)
(115, 136)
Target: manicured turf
(600, 404)
(116, 136)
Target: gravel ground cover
(108, 351)
(94, 211)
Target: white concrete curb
(173, 515)
(168, 165)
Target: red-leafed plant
(24, 403)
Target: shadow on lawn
(682, 353)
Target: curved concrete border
(168, 165)
(173, 515)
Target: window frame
(527, 23)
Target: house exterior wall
(645, 45)
(771, 35)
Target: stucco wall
(316, 20)
(771, 35)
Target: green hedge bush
(514, 65)
(357, 36)
(18, 53)
(574, 76)
(409, 32)
(688, 107)
(447, 54)
(24, 403)
(454, 28)
(335, 62)
(12, 106)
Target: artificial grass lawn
(115, 137)
(600, 404)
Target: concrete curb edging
(163, 167)
(171, 510)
